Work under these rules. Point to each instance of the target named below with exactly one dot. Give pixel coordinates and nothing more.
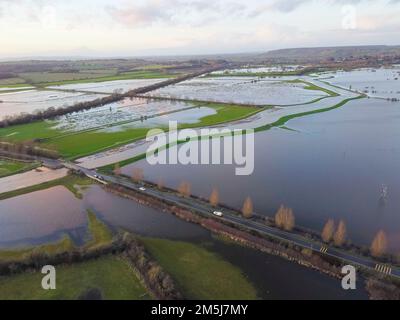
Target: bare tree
(284, 218)
(137, 175)
(328, 231)
(290, 220)
(247, 209)
(184, 189)
(339, 238)
(279, 216)
(379, 244)
(214, 197)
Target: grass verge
(100, 234)
(10, 167)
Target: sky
(97, 28)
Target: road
(205, 209)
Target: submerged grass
(63, 245)
(72, 182)
(98, 233)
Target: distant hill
(325, 53)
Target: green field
(200, 274)
(54, 78)
(225, 113)
(12, 82)
(10, 167)
(282, 121)
(111, 275)
(30, 131)
(100, 234)
(145, 74)
(79, 144)
(311, 86)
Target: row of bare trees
(338, 237)
(284, 217)
(55, 112)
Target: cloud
(174, 11)
(287, 6)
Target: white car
(142, 189)
(217, 213)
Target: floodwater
(379, 83)
(14, 103)
(44, 216)
(121, 86)
(189, 116)
(126, 110)
(261, 69)
(241, 90)
(330, 165)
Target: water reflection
(44, 216)
(332, 166)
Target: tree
(137, 174)
(284, 218)
(290, 220)
(379, 244)
(117, 169)
(328, 231)
(247, 209)
(214, 197)
(339, 238)
(184, 189)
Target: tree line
(53, 112)
(28, 148)
(284, 218)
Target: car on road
(142, 189)
(218, 213)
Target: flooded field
(30, 101)
(260, 69)
(120, 86)
(189, 116)
(129, 109)
(36, 218)
(333, 165)
(379, 83)
(241, 90)
(15, 89)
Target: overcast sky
(159, 27)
